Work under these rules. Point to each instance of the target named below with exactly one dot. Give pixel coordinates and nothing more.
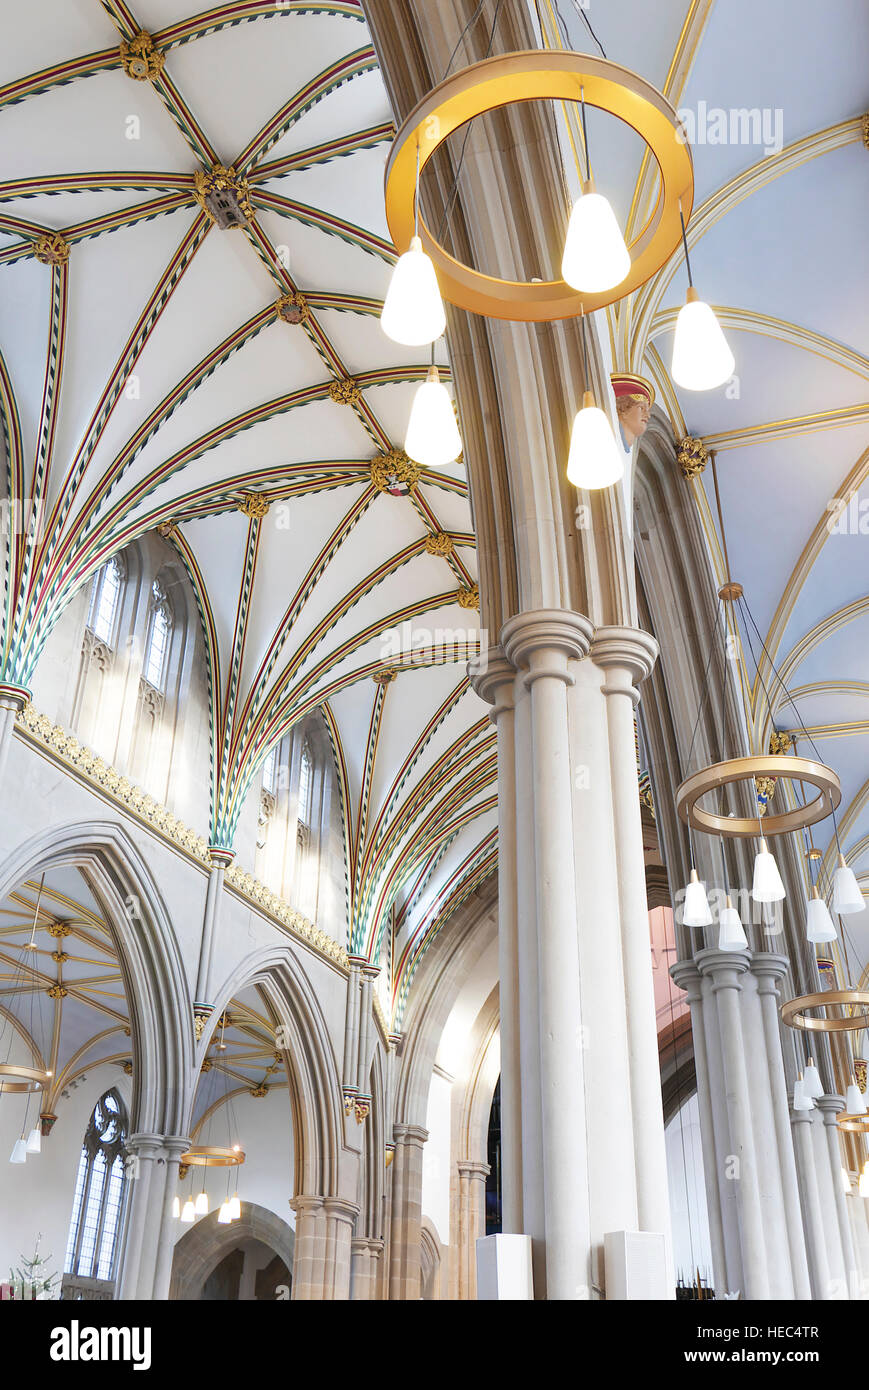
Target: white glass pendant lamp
(812, 1083)
(200, 1206)
(695, 911)
(234, 1207)
(189, 1212)
(413, 311)
(801, 1100)
(819, 923)
(176, 1208)
(223, 1216)
(433, 437)
(847, 896)
(767, 886)
(855, 1103)
(34, 1141)
(19, 1151)
(701, 358)
(595, 255)
(595, 460)
(731, 934)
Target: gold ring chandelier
(537, 75)
(211, 1156)
(22, 1080)
(597, 267)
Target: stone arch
(430, 1263)
(161, 1015)
(201, 1249)
(443, 969)
(314, 1089)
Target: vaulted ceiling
(774, 97)
(233, 388)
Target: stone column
(148, 1213)
(627, 655)
(686, 975)
(493, 677)
(369, 974)
(472, 1222)
(830, 1106)
(351, 1032)
(724, 969)
(816, 1239)
(405, 1232)
(365, 1253)
(13, 698)
(340, 1219)
(309, 1252)
(220, 861)
(173, 1147)
(543, 644)
(768, 969)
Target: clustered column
(405, 1232)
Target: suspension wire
(471, 22)
(448, 207)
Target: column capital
(469, 1167)
(721, 965)
(801, 1117)
(341, 1209)
(306, 1204)
(492, 676)
(14, 697)
(686, 975)
(628, 648)
(830, 1106)
(410, 1134)
(544, 640)
(146, 1145)
(769, 967)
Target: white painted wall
(436, 1158)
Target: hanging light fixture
(812, 1084)
(595, 257)
(731, 933)
(223, 1216)
(234, 1207)
(413, 312)
(189, 1212)
(846, 1182)
(847, 896)
(432, 437)
(701, 358)
(200, 1206)
(767, 886)
(176, 1208)
(595, 251)
(34, 1141)
(854, 1102)
(19, 1151)
(695, 910)
(595, 460)
(801, 1100)
(819, 923)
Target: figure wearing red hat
(634, 400)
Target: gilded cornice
(66, 749)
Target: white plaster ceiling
(294, 606)
(776, 246)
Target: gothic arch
(314, 1089)
(202, 1248)
(161, 1016)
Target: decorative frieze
(67, 750)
